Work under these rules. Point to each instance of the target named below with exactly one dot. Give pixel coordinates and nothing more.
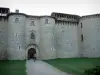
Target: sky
(46, 7)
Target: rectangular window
(81, 25)
(82, 37)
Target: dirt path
(41, 68)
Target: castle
(57, 36)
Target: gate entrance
(31, 53)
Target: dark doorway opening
(31, 53)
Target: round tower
(47, 49)
(16, 36)
(90, 35)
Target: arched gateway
(31, 51)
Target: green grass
(75, 66)
(13, 67)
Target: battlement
(4, 11)
(65, 17)
(57, 22)
(90, 16)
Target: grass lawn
(75, 66)
(12, 67)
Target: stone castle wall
(47, 50)
(3, 37)
(91, 35)
(66, 36)
(16, 37)
(51, 37)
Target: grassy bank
(12, 67)
(76, 66)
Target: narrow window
(19, 47)
(81, 25)
(0, 19)
(82, 37)
(32, 23)
(16, 20)
(46, 21)
(16, 34)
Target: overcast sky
(45, 7)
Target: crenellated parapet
(59, 22)
(5, 18)
(3, 13)
(32, 17)
(65, 17)
(90, 16)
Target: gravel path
(41, 68)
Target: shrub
(93, 71)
